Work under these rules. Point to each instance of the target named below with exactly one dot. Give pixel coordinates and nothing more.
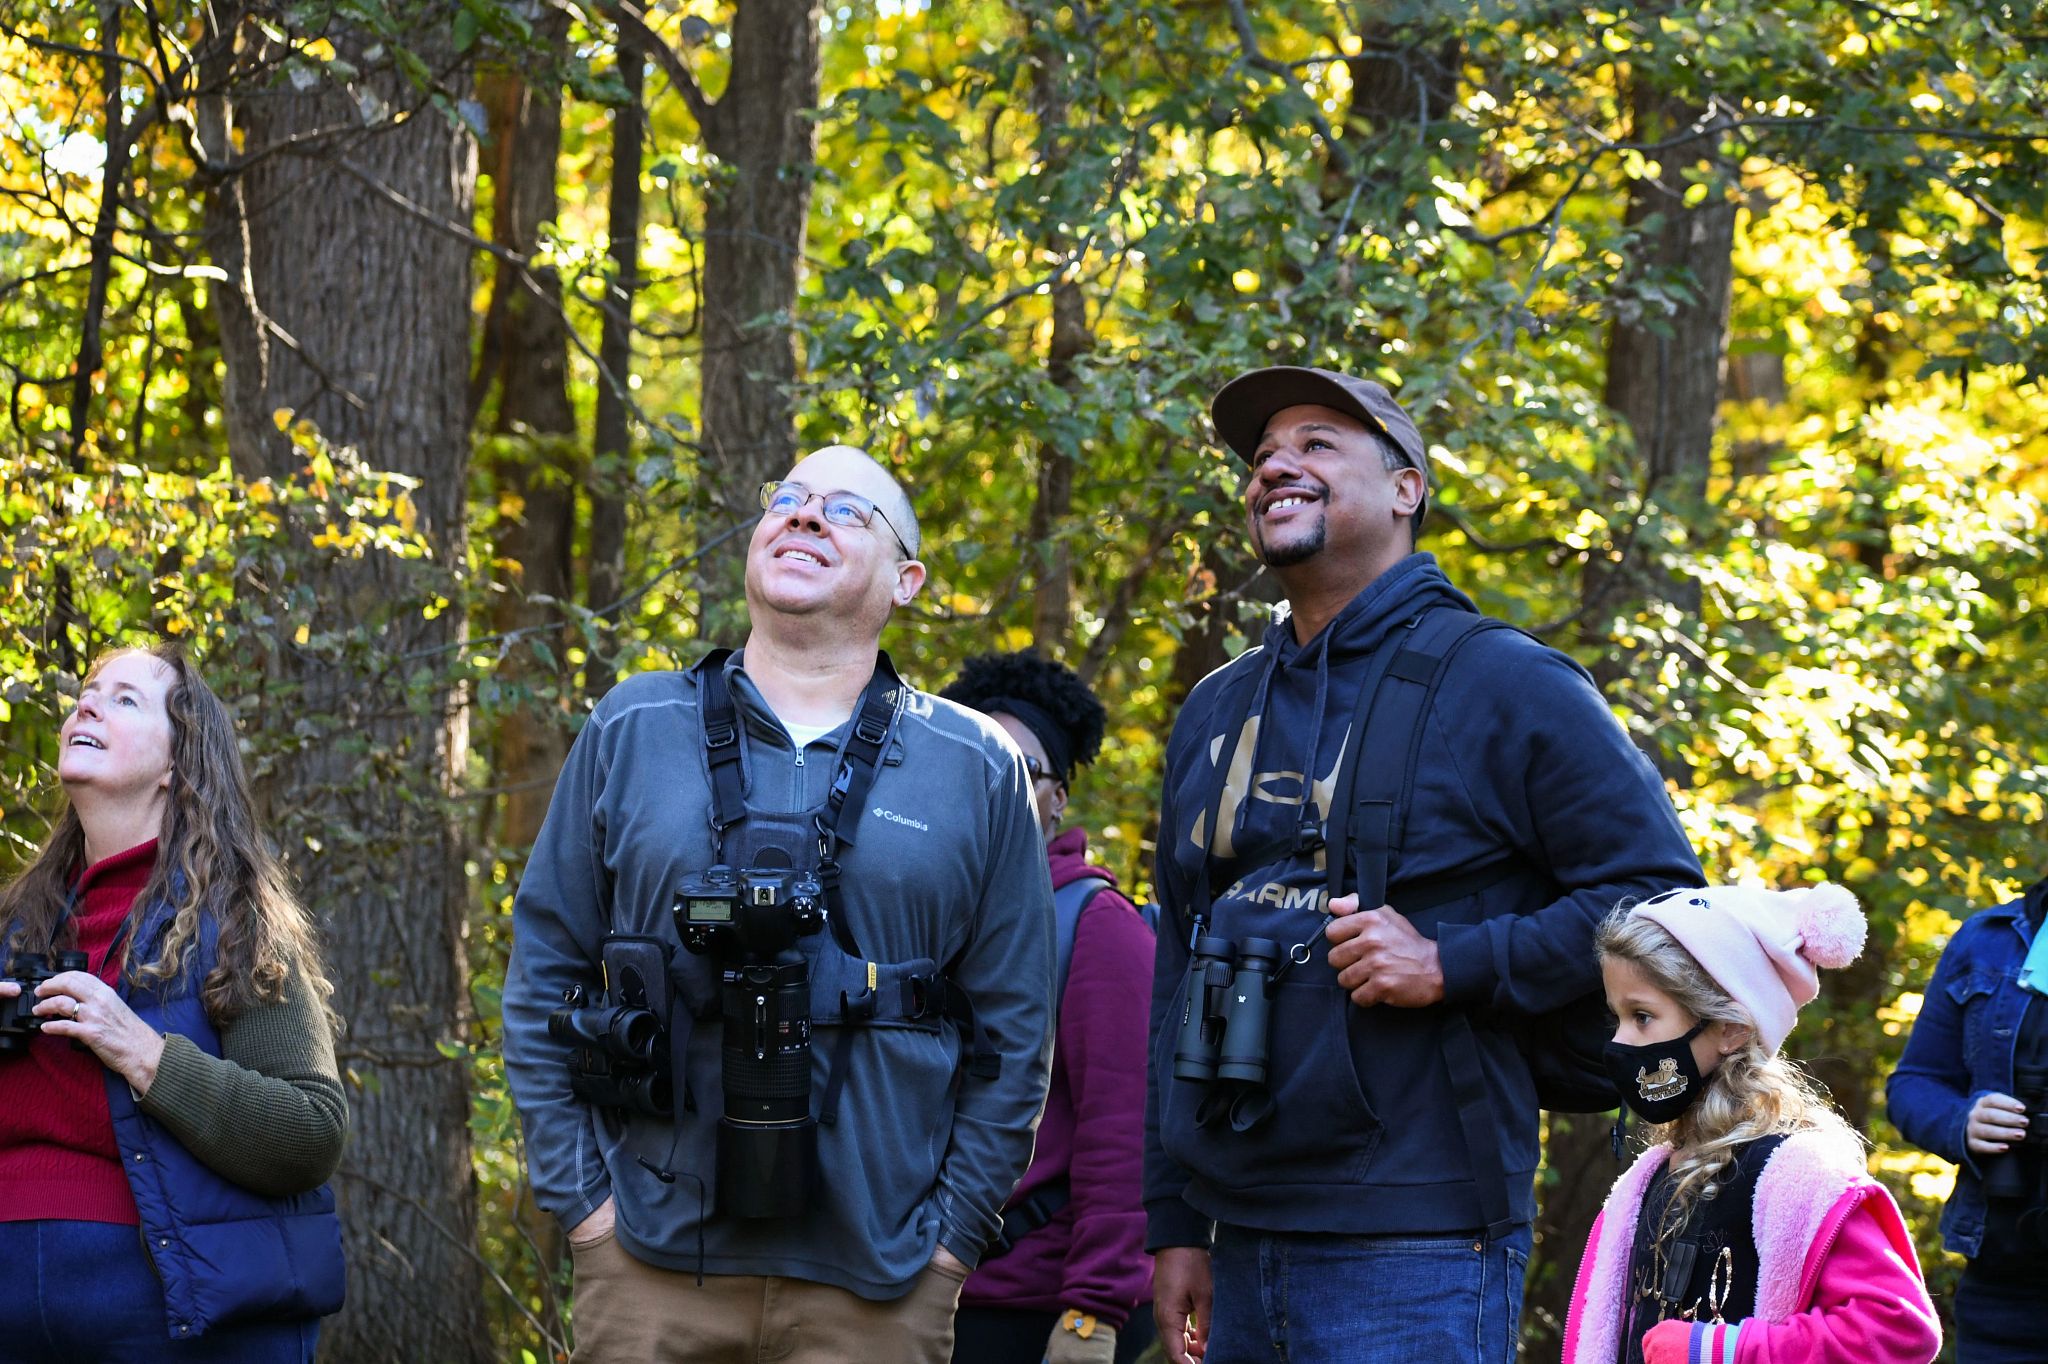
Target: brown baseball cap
(1242, 407)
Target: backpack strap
(1069, 902)
(1028, 1214)
(1399, 688)
(872, 722)
(1373, 796)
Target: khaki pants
(628, 1312)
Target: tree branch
(1248, 40)
(633, 27)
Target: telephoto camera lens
(767, 1140)
(1194, 1048)
(1246, 1007)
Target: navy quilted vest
(225, 1255)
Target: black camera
(2020, 1174)
(751, 919)
(18, 1020)
(1223, 1021)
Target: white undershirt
(804, 735)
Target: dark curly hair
(1030, 680)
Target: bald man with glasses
(843, 1228)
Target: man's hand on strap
(1381, 958)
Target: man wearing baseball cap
(1399, 825)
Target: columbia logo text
(904, 820)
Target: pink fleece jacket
(1837, 1280)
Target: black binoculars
(1223, 1020)
(2020, 1175)
(621, 1059)
(18, 1021)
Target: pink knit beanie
(1761, 946)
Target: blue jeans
(1286, 1298)
(87, 1291)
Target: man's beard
(1294, 552)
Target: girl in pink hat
(1749, 1232)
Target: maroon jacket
(1091, 1256)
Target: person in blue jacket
(1972, 1088)
(914, 1010)
(1346, 1202)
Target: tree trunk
(533, 463)
(346, 302)
(610, 471)
(1665, 383)
(1666, 380)
(760, 196)
(1664, 366)
(1051, 543)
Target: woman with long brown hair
(170, 1108)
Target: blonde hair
(1753, 1093)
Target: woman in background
(1973, 1089)
(1062, 1281)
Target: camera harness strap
(860, 758)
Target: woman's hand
(1996, 1121)
(77, 1004)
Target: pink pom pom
(1831, 926)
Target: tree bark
(606, 580)
(533, 463)
(1050, 543)
(754, 219)
(346, 302)
(1664, 365)
(1664, 380)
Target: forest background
(416, 364)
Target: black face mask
(1660, 1081)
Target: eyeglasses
(788, 497)
(1038, 771)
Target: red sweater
(58, 1159)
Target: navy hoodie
(1521, 760)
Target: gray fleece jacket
(947, 864)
